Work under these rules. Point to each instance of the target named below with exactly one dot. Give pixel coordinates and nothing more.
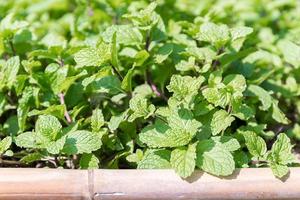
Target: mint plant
(180, 85)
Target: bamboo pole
(101, 184)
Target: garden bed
(145, 185)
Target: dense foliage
(179, 84)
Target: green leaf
(54, 147)
(281, 151)
(279, 170)
(48, 126)
(290, 51)
(227, 142)
(107, 84)
(255, 144)
(155, 159)
(278, 115)
(236, 82)
(91, 56)
(126, 34)
(220, 121)
(55, 110)
(24, 106)
(183, 160)
(140, 108)
(214, 159)
(97, 120)
(240, 32)
(81, 141)
(114, 52)
(5, 144)
(264, 97)
(32, 157)
(26, 140)
(161, 135)
(184, 87)
(127, 81)
(163, 53)
(89, 161)
(218, 35)
(9, 71)
(115, 121)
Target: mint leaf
(214, 159)
(5, 144)
(264, 97)
(9, 71)
(220, 121)
(97, 120)
(218, 35)
(89, 161)
(279, 170)
(183, 160)
(48, 126)
(140, 108)
(91, 56)
(155, 159)
(161, 135)
(255, 144)
(81, 141)
(281, 151)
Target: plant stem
(11, 44)
(9, 162)
(118, 73)
(154, 88)
(62, 97)
(62, 102)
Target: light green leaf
(236, 82)
(155, 159)
(220, 121)
(183, 160)
(279, 170)
(127, 81)
(5, 144)
(218, 35)
(161, 135)
(240, 32)
(227, 142)
(26, 140)
(264, 97)
(32, 157)
(217, 96)
(115, 121)
(140, 108)
(126, 34)
(54, 147)
(91, 56)
(255, 144)
(48, 126)
(9, 71)
(214, 159)
(290, 51)
(184, 87)
(81, 141)
(24, 106)
(281, 151)
(97, 120)
(278, 115)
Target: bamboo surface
(59, 184)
